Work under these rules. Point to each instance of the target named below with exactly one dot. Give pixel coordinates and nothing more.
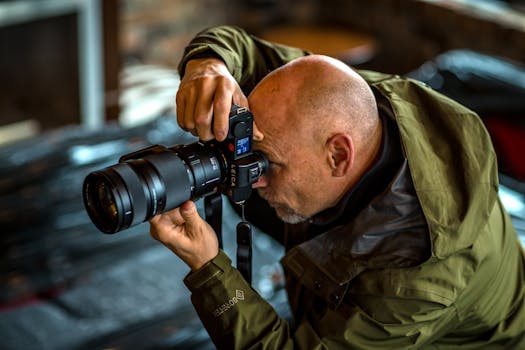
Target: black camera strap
(213, 214)
(244, 248)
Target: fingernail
(220, 135)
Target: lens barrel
(135, 190)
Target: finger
(174, 216)
(204, 112)
(221, 112)
(180, 102)
(155, 224)
(240, 99)
(167, 220)
(155, 220)
(190, 215)
(189, 109)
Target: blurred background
(85, 81)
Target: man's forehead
(273, 142)
(268, 114)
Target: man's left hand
(185, 233)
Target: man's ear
(340, 154)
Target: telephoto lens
(158, 178)
(154, 180)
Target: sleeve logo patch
(239, 295)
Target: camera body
(156, 179)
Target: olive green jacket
(469, 292)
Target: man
(394, 236)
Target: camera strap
(244, 248)
(213, 213)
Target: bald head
(319, 128)
(322, 95)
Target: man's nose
(262, 182)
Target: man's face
(295, 183)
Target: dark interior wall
(39, 72)
(40, 61)
(411, 32)
(157, 31)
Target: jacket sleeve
(236, 317)
(247, 57)
(234, 314)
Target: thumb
(189, 213)
(240, 99)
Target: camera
(156, 179)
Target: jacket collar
(387, 230)
(390, 232)
(375, 180)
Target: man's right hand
(205, 96)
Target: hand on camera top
(207, 89)
(185, 233)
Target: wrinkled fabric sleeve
(247, 57)
(235, 315)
